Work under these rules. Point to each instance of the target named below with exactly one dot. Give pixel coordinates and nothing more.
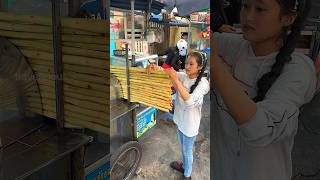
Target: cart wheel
(125, 161)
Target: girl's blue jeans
(186, 144)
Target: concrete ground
(161, 147)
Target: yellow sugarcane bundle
(85, 57)
(94, 26)
(152, 90)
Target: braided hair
(300, 8)
(201, 61)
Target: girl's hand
(151, 67)
(227, 28)
(216, 59)
(172, 74)
(219, 64)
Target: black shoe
(177, 166)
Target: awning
(156, 6)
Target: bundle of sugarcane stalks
(152, 90)
(85, 48)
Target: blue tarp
(93, 7)
(138, 5)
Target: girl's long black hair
(201, 60)
(300, 8)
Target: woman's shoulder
(300, 73)
(228, 45)
(204, 81)
(228, 37)
(302, 63)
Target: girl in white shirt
(260, 83)
(191, 87)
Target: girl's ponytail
(201, 60)
(301, 8)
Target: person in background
(184, 35)
(225, 15)
(176, 56)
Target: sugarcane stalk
(136, 70)
(24, 35)
(51, 95)
(72, 126)
(147, 90)
(90, 46)
(85, 53)
(88, 125)
(13, 26)
(99, 63)
(152, 105)
(78, 102)
(87, 104)
(68, 113)
(87, 70)
(87, 78)
(48, 86)
(147, 82)
(39, 62)
(150, 100)
(83, 84)
(102, 40)
(97, 26)
(37, 45)
(47, 36)
(49, 71)
(75, 83)
(71, 67)
(50, 105)
(100, 101)
(68, 59)
(80, 32)
(87, 92)
(74, 121)
(88, 112)
(151, 95)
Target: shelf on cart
(120, 107)
(16, 128)
(37, 150)
(24, 143)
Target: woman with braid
(191, 87)
(259, 85)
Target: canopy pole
(133, 50)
